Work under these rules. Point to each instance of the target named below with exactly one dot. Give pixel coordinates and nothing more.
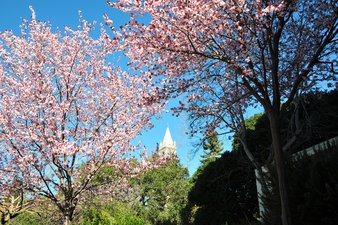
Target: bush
(116, 213)
(224, 191)
(28, 218)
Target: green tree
(27, 218)
(224, 191)
(258, 137)
(114, 213)
(212, 148)
(163, 193)
(41, 212)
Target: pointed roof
(167, 140)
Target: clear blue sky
(63, 12)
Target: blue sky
(61, 13)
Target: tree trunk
(280, 168)
(68, 220)
(68, 207)
(68, 214)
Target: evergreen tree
(223, 192)
(212, 148)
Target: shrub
(117, 213)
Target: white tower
(168, 146)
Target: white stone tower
(168, 146)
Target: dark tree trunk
(280, 167)
(68, 209)
(68, 217)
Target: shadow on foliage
(223, 193)
(313, 189)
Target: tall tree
(228, 55)
(63, 105)
(223, 192)
(163, 193)
(212, 147)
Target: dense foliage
(27, 218)
(313, 189)
(320, 113)
(223, 192)
(163, 193)
(212, 148)
(115, 213)
(258, 137)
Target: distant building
(168, 146)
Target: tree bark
(68, 220)
(280, 167)
(68, 212)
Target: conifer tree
(212, 148)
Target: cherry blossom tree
(65, 110)
(230, 55)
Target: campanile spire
(167, 146)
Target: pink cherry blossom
(65, 110)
